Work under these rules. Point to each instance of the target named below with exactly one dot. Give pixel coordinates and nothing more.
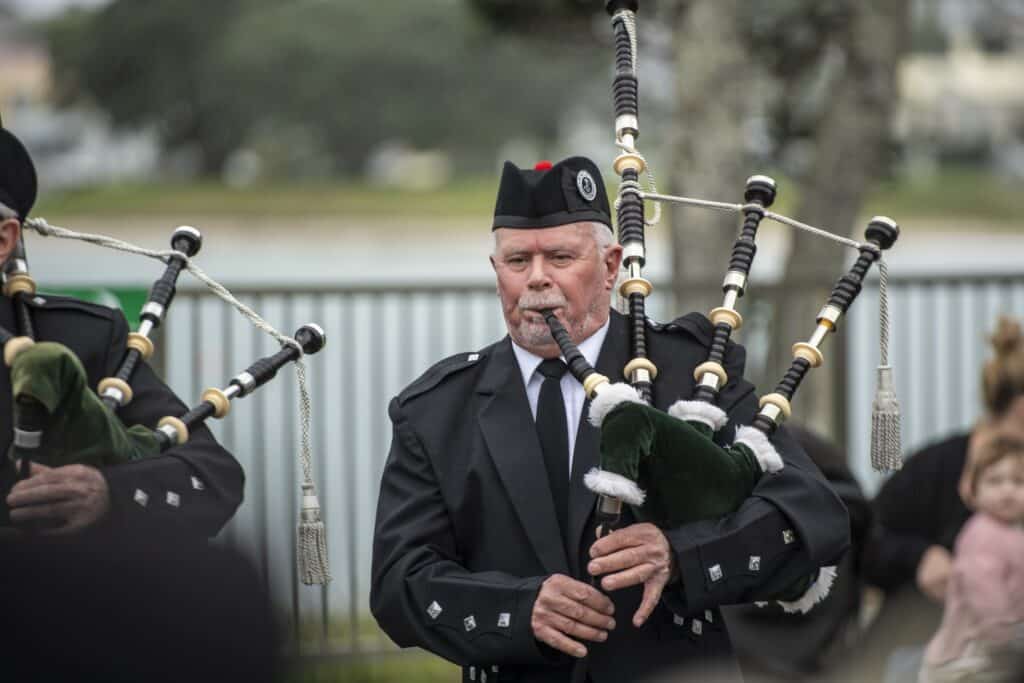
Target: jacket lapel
(511, 436)
(611, 360)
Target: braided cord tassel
(311, 540)
(885, 409)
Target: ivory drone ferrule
(593, 383)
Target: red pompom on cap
(542, 166)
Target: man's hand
(933, 572)
(636, 554)
(60, 499)
(566, 607)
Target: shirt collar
(589, 347)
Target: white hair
(603, 237)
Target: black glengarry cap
(17, 175)
(548, 195)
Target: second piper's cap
(17, 175)
(551, 194)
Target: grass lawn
(401, 668)
(951, 194)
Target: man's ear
(612, 261)
(10, 231)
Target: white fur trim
(610, 484)
(754, 439)
(608, 397)
(818, 591)
(699, 411)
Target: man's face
(560, 268)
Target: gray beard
(537, 334)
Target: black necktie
(554, 438)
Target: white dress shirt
(572, 391)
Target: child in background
(981, 638)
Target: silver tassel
(312, 541)
(886, 451)
(885, 424)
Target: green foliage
(546, 16)
(415, 668)
(152, 62)
(321, 82)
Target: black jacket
(205, 480)
(466, 530)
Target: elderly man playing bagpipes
(196, 486)
(575, 501)
(485, 548)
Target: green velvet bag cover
(80, 429)
(686, 476)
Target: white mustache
(530, 302)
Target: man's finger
(627, 578)
(652, 593)
(578, 591)
(578, 630)
(576, 611)
(50, 511)
(41, 478)
(618, 561)
(610, 543)
(561, 642)
(43, 493)
(596, 600)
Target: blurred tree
(322, 82)
(149, 63)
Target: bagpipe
(60, 420)
(668, 466)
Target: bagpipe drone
(667, 465)
(60, 420)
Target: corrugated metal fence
(381, 338)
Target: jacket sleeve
(792, 524)
(420, 592)
(195, 487)
(905, 516)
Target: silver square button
(504, 619)
(715, 572)
(697, 627)
(197, 484)
(434, 610)
(141, 497)
(469, 622)
(755, 563)
(678, 620)
(709, 616)
(173, 499)
(788, 536)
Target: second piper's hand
(634, 555)
(60, 499)
(567, 611)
